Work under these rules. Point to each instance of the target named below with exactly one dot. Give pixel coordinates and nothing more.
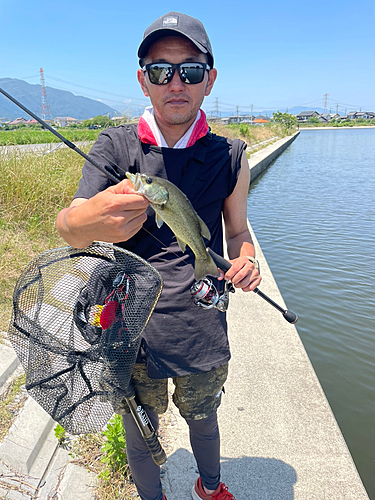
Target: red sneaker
(221, 492)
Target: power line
(94, 90)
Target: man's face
(176, 103)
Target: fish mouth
(136, 181)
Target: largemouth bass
(173, 207)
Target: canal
(313, 212)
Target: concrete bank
(261, 160)
(279, 437)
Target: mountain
(62, 102)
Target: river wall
(261, 160)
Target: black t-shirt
(180, 337)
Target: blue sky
(269, 54)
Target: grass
(26, 135)
(104, 454)
(251, 134)
(33, 189)
(8, 406)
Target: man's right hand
(116, 214)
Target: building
(261, 119)
(64, 121)
(305, 115)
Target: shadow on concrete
(247, 478)
(258, 478)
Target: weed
(60, 433)
(104, 454)
(10, 404)
(114, 455)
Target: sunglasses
(162, 73)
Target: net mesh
(76, 327)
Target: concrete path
(279, 438)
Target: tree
(313, 120)
(286, 120)
(101, 121)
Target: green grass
(25, 135)
(33, 189)
(8, 407)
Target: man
(172, 140)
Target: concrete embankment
(261, 160)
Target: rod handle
(219, 260)
(147, 430)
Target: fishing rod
(220, 261)
(225, 266)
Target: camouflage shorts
(196, 395)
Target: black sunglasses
(162, 73)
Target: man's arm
(116, 214)
(243, 274)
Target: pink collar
(149, 133)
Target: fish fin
(181, 244)
(204, 267)
(205, 232)
(159, 221)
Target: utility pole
(237, 111)
(337, 108)
(252, 117)
(216, 107)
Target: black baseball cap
(179, 24)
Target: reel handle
(225, 266)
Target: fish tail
(204, 267)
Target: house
(238, 119)
(305, 115)
(330, 116)
(261, 119)
(365, 115)
(352, 115)
(18, 121)
(64, 121)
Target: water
(313, 212)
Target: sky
(269, 54)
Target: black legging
(205, 442)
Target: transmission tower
(325, 102)
(46, 109)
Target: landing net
(76, 328)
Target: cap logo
(170, 21)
